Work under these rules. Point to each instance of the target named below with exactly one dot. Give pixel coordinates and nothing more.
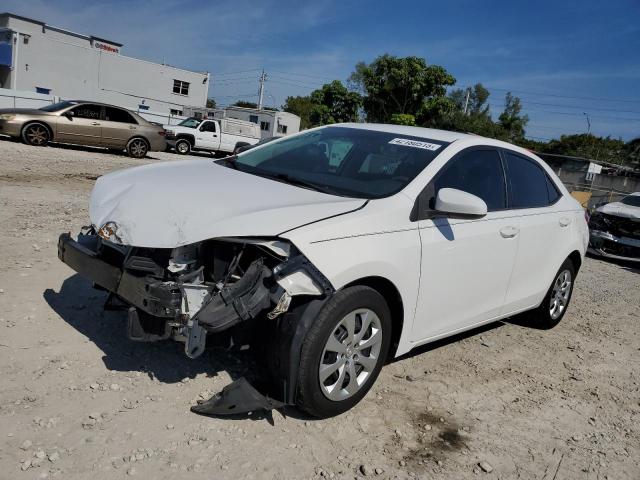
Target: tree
(333, 103)
(448, 113)
(302, 107)
(633, 153)
(478, 97)
(511, 119)
(211, 103)
(245, 104)
(398, 85)
(403, 119)
(590, 146)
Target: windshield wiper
(298, 182)
(229, 161)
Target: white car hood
(620, 209)
(171, 204)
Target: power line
(237, 73)
(528, 102)
(296, 81)
(599, 99)
(304, 75)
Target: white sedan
(336, 249)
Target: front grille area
(618, 226)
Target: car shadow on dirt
(448, 341)
(81, 306)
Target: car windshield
(190, 123)
(56, 107)
(351, 162)
(632, 200)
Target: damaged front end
(614, 236)
(189, 291)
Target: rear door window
(528, 183)
(477, 171)
(118, 115)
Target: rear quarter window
(529, 185)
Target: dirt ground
(78, 400)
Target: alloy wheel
(183, 147)
(350, 354)
(37, 135)
(560, 294)
(138, 148)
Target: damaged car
(615, 229)
(336, 249)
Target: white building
(272, 123)
(39, 58)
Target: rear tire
(183, 146)
(556, 301)
(343, 352)
(137, 147)
(36, 134)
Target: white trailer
(225, 135)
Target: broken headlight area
(186, 292)
(614, 236)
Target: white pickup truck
(225, 135)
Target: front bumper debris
(237, 398)
(170, 297)
(605, 244)
(152, 296)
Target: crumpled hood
(621, 210)
(170, 204)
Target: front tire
(183, 146)
(556, 301)
(343, 352)
(137, 148)
(36, 134)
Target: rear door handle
(565, 221)
(509, 232)
(95, 123)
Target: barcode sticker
(405, 142)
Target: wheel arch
(188, 137)
(576, 259)
(391, 294)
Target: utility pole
(263, 78)
(588, 123)
(466, 102)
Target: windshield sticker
(415, 144)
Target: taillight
(162, 133)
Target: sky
(571, 62)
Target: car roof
(427, 133)
(94, 103)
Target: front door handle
(95, 123)
(509, 232)
(565, 221)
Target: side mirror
(456, 203)
(69, 114)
